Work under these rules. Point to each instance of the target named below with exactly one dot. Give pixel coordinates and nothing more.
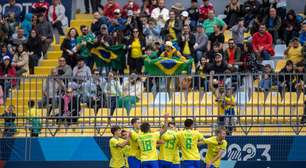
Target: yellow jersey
(170, 150)
(117, 156)
(125, 151)
(229, 99)
(213, 150)
(147, 143)
(188, 140)
(186, 49)
(134, 148)
(136, 50)
(171, 29)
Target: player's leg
(164, 164)
(134, 162)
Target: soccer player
(216, 147)
(116, 145)
(189, 140)
(169, 150)
(147, 142)
(134, 152)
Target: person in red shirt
(7, 70)
(232, 53)
(110, 7)
(263, 44)
(203, 10)
(130, 6)
(40, 7)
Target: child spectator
(34, 121)
(9, 121)
(265, 83)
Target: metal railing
(261, 102)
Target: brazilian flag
(112, 56)
(166, 66)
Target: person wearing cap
(130, 6)
(218, 66)
(201, 41)
(185, 18)
(238, 31)
(104, 38)
(302, 36)
(211, 22)
(7, 70)
(171, 52)
(117, 22)
(97, 22)
(173, 26)
(294, 51)
(160, 14)
(203, 10)
(110, 7)
(177, 8)
(263, 44)
(186, 42)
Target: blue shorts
(165, 164)
(211, 166)
(191, 164)
(150, 164)
(134, 162)
(230, 112)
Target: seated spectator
(69, 47)
(294, 51)
(13, 9)
(18, 37)
(130, 6)
(12, 24)
(4, 30)
(151, 31)
(287, 79)
(160, 13)
(251, 9)
(219, 66)
(212, 53)
(44, 29)
(186, 42)
(57, 17)
(173, 26)
(148, 6)
(248, 59)
(201, 42)
(34, 121)
(238, 31)
(104, 38)
(27, 24)
(136, 47)
(132, 90)
(9, 121)
(21, 60)
(93, 94)
(7, 70)
(84, 45)
(273, 24)
(216, 37)
(185, 18)
(171, 52)
(265, 84)
(5, 51)
(233, 53)
(300, 70)
(233, 12)
(112, 90)
(263, 44)
(291, 27)
(211, 22)
(81, 72)
(97, 22)
(303, 34)
(254, 24)
(53, 89)
(204, 9)
(40, 7)
(194, 14)
(35, 48)
(110, 7)
(117, 22)
(63, 70)
(70, 107)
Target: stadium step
(43, 70)
(49, 62)
(56, 47)
(83, 16)
(78, 23)
(54, 54)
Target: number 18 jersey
(147, 143)
(188, 140)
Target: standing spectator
(291, 27)
(9, 121)
(34, 121)
(117, 22)
(211, 22)
(265, 7)
(251, 9)
(104, 39)
(7, 71)
(44, 29)
(18, 38)
(238, 31)
(186, 42)
(232, 53)
(57, 17)
(294, 51)
(110, 7)
(136, 47)
(34, 47)
(160, 13)
(94, 5)
(216, 37)
(201, 70)
(69, 47)
(130, 6)
(84, 45)
(193, 14)
(287, 79)
(173, 26)
(134, 21)
(233, 12)
(21, 60)
(148, 6)
(12, 10)
(70, 107)
(265, 84)
(151, 31)
(178, 9)
(201, 42)
(204, 9)
(273, 23)
(40, 7)
(185, 18)
(132, 90)
(263, 44)
(27, 24)
(303, 34)
(4, 30)
(97, 22)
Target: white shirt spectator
(160, 15)
(60, 13)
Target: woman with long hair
(34, 47)
(69, 49)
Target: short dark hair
(114, 129)
(145, 127)
(31, 103)
(188, 123)
(82, 27)
(219, 130)
(171, 123)
(134, 120)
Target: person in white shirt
(161, 13)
